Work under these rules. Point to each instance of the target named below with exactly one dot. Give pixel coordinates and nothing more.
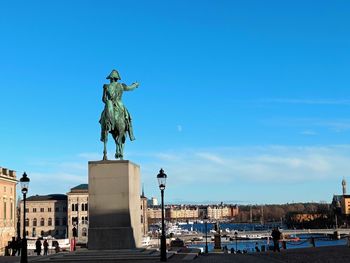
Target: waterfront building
(7, 207)
(46, 215)
(182, 212)
(154, 214)
(78, 202)
(222, 211)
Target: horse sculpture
(115, 118)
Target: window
(64, 209)
(76, 207)
(86, 207)
(5, 209)
(42, 210)
(11, 215)
(57, 222)
(64, 221)
(49, 209)
(84, 232)
(73, 207)
(82, 207)
(34, 222)
(27, 210)
(57, 209)
(49, 222)
(42, 222)
(34, 210)
(74, 220)
(27, 222)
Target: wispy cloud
(335, 125)
(308, 133)
(308, 101)
(179, 128)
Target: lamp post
(236, 235)
(24, 186)
(161, 182)
(206, 233)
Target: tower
(343, 183)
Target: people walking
(46, 247)
(276, 236)
(38, 247)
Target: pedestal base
(114, 205)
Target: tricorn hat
(114, 75)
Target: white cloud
(309, 133)
(281, 163)
(179, 128)
(309, 101)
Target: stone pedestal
(114, 205)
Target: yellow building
(345, 204)
(46, 215)
(7, 207)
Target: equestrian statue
(115, 118)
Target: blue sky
(241, 101)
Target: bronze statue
(115, 118)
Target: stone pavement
(338, 254)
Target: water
(249, 245)
(240, 227)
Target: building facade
(78, 212)
(182, 212)
(7, 207)
(222, 211)
(46, 215)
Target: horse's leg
(121, 146)
(105, 139)
(117, 153)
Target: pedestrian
(19, 245)
(13, 246)
(38, 247)
(46, 247)
(257, 249)
(276, 236)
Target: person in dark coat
(276, 236)
(46, 247)
(19, 245)
(38, 247)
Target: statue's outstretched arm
(131, 87)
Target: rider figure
(112, 97)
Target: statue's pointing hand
(136, 84)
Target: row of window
(5, 210)
(84, 207)
(58, 222)
(75, 219)
(49, 209)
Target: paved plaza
(337, 254)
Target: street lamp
(206, 233)
(24, 186)
(161, 182)
(236, 235)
